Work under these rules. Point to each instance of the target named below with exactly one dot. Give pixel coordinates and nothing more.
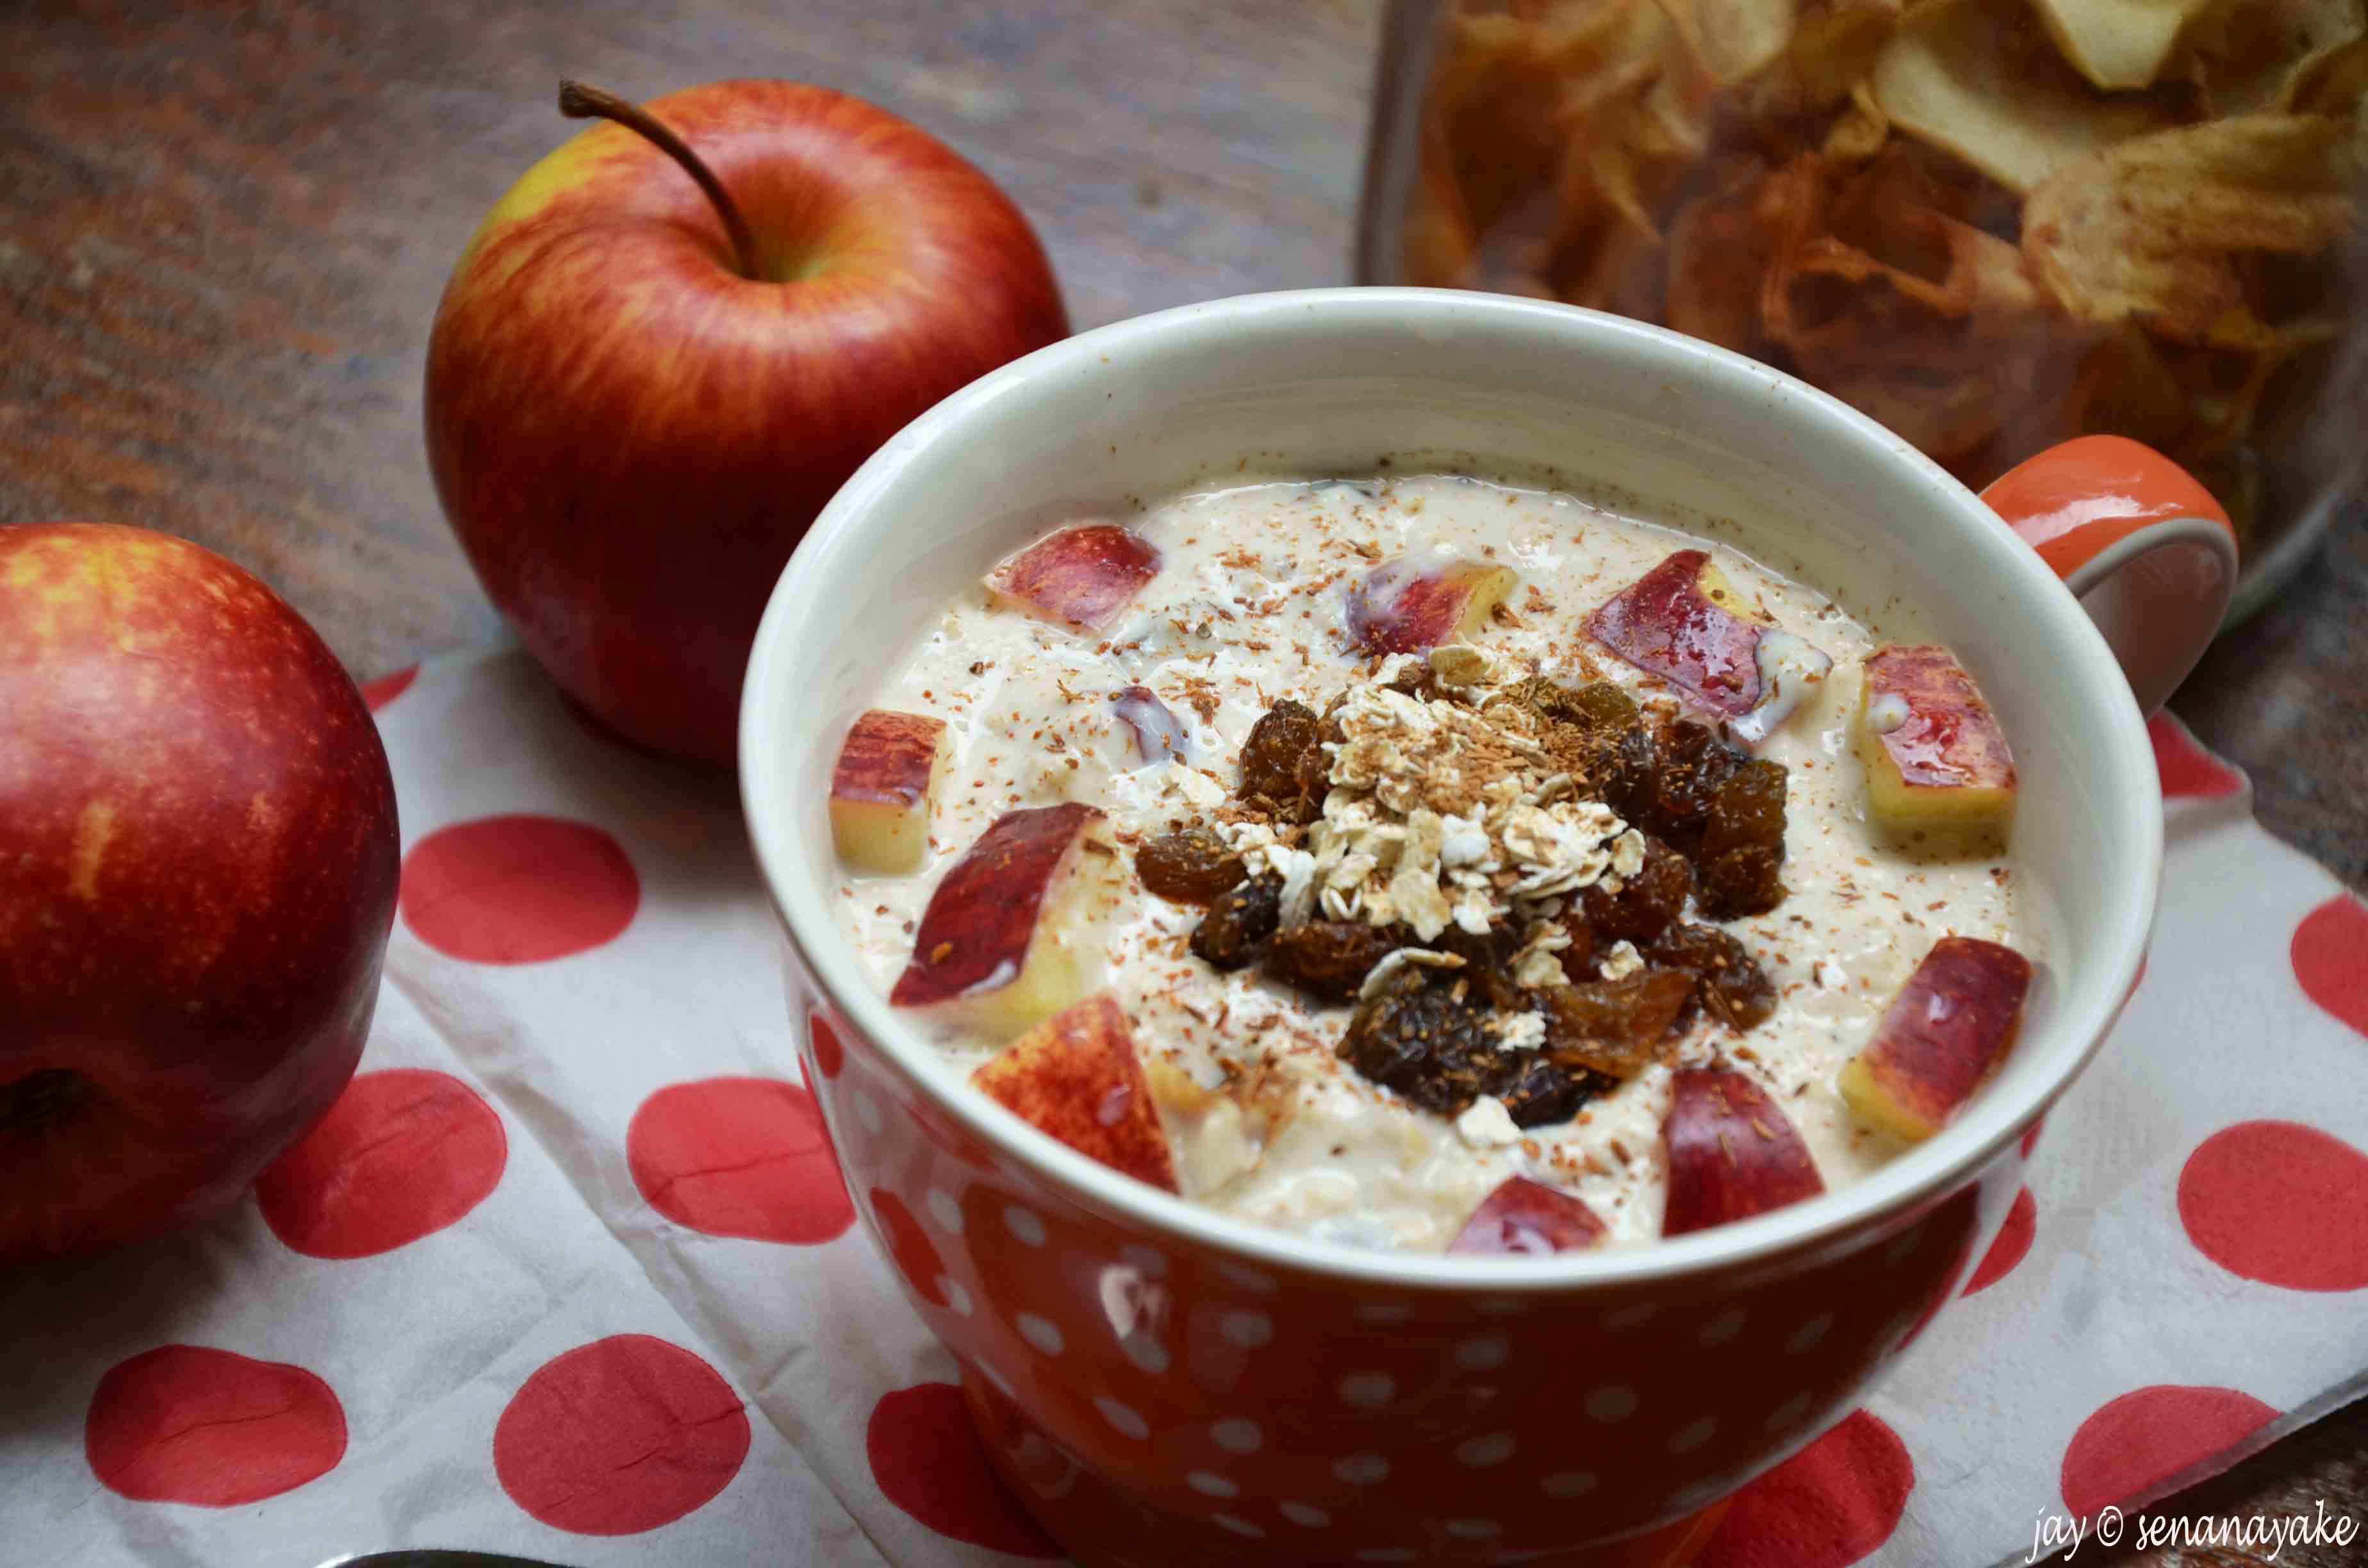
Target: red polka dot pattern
(2279, 1202)
(403, 1153)
(2013, 1242)
(186, 1424)
(2134, 1443)
(739, 1157)
(1832, 1503)
(2188, 771)
(2330, 959)
(909, 1246)
(619, 1436)
(386, 688)
(518, 889)
(828, 1054)
(928, 1462)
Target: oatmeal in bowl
(1423, 862)
(1282, 811)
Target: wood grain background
(223, 229)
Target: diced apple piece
(1732, 1152)
(1084, 576)
(1948, 1028)
(1525, 1216)
(1003, 941)
(1078, 1076)
(881, 789)
(1934, 754)
(1684, 622)
(1158, 734)
(1407, 605)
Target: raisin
(1730, 984)
(1426, 1038)
(1628, 775)
(1488, 964)
(1282, 764)
(1748, 880)
(1417, 680)
(1236, 929)
(1614, 1025)
(1330, 958)
(1597, 707)
(1539, 1092)
(1579, 958)
(1645, 904)
(1602, 706)
(1426, 1035)
(1190, 867)
(1742, 849)
(1694, 766)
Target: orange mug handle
(2146, 549)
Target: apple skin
(1940, 1038)
(1078, 1077)
(1525, 1216)
(1942, 761)
(1408, 605)
(999, 944)
(1082, 577)
(629, 436)
(1679, 621)
(883, 788)
(1732, 1151)
(198, 868)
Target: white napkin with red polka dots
(568, 1271)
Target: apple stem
(577, 101)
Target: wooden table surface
(223, 229)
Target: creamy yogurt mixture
(1248, 608)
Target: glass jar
(1992, 225)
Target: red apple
(1525, 1216)
(1078, 1076)
(1407, 605)
(634, 412)
(1003, 941)
(1732, 1152)
(1083, 577)
(1684, 622)
(882, 789)
(1945, 1032)
(1935, 756)
(198, 864)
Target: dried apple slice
(1934, 754)
(1003, 941)
(1525, 1216)
(1732, 1152)
(1084, 576)
(1945, 1032)
(881, 789)
(1407, 605)
(1078, 1078)
(2119, 43)
(1684, 622)
(1970, 77)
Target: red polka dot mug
(1161, 1384)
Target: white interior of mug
(1329, 381)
